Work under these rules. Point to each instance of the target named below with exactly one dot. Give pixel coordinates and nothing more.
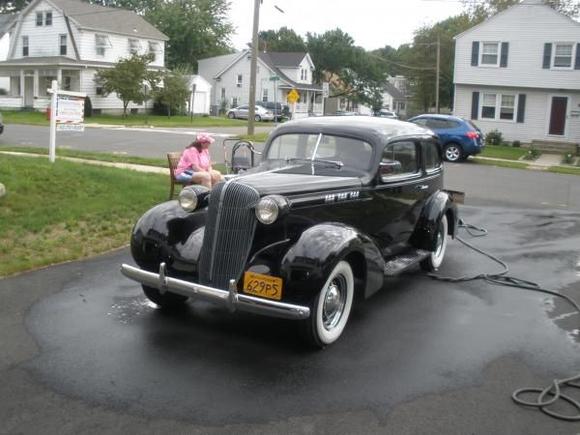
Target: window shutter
(521, 107)
(504, 54)
(474, 53)
(547, 55)
(577, 63)
(474, 105)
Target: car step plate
(402, 262)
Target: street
(84, 352)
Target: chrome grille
(229, 232)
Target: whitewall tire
(435, 259)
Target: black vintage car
(335, 207)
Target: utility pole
(437, 76)
(253, 65)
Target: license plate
(265, 286)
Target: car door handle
(422, 187)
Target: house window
(488, 106)
(153, 49)
(62, 43)
(25, 46)
(490, 53)
(99, 90)
(134, 46)
(507, 107)
(235, 102)
(563, 55)
(45, 83)
(48, 18)
(67, 83)
(101, 44)
(239, 79)
(264, 95)
(223, 94)
(39, 17)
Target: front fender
(437, 205)
(307, 264)
(167, 233)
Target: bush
(516, 144)
(532, 154)
(568, 159)
(494, 137)
(88, 107)
(159, 108)
(3, 91)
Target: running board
(403, 262)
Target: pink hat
(202, 138)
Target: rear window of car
(352, 153)
(441, 124)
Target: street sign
(293, 96)
(325, 89)
(274, 78)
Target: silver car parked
(242, 112)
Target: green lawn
(63, 211)
(570, 170)
(39, 118)
(503, 164)
(258, 137)
(503, 152)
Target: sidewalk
(131, 166)
(543, 163)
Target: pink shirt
(193, 159)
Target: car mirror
(390, 167)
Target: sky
(372, 23)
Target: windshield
(347, 153)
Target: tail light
(472, 134)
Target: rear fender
(307, 264)
(438, 204)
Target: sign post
(275, 80)
(292, 97)
(67, 111)
(325, 95)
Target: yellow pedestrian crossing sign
(293, 96)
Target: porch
(309, 104)
(29, 86)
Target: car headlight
(192, 196)
(269, 208)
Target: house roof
(114, 20)
(271, 59)
(286, 58)
(6, 21)
(58, 61)
(393, 91)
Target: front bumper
(230, 298)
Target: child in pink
(194, 166)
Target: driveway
(84, 352)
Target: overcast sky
(372, 23)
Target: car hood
(281, 182)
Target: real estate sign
(70, 112)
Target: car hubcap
(439, 245)
(452, 153)
(334, 301)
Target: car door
(242, 112)
(399, 195)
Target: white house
(70, 40)
(5, 23)
(277, 74)
(519, 72)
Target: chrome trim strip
(230, 298)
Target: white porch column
(22, 83)
(59, 77)
(35, 86)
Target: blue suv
(459, 137)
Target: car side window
(431, 155)
(399, 159)
(421, 121)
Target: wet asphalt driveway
(83, 351)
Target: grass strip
(503, 152)
(502, 164)
(64, 211)
(39, 118)
(258, 137)
(564, 170)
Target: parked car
(384, 113)
(459, 137)
(346, 113)
(280, 111)
(335, 207)
(242, 112)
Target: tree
(175, 91)
(481, 10)
(331, 52)
(196, 29)
(283, 39)
(9, 6)
(128, 79)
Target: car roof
(439, 116)
(368, 128)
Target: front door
(28, 91)
(558, 116)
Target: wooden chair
(173, 160)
